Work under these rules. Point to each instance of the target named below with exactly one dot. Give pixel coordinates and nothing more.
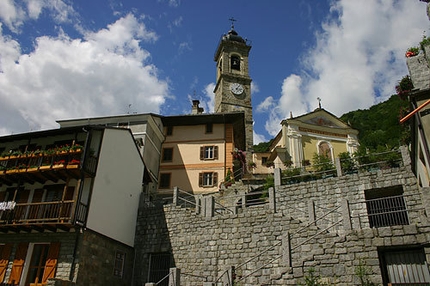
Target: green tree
(379, 125)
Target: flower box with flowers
(59, 164)
(73, 164)
(32, 169)
(412, 52)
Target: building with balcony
(147, 130)
(68, 205)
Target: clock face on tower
(236, 88)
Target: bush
(322, 163)
(347, 163)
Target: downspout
(225, 149)
(78, 230)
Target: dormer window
(235, 63)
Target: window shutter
(202, 153)
(215, 152)
(18, 263)
(51, 262)
(4, 260)
(201, 180)
(215, 179)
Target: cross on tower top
(319, 102)
(232, 22)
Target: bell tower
(233, 84)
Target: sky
(64, 59)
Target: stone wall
(419, 69)
(96, 260)
(320, 225)
(65, 259)
(90, 263)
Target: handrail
(222, 207)
(185, 199)
(280, 242)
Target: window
(209, 128)
(264, 160)
(404, 267)
(208, 179)
(386, 207)
(167, 154)
(139, 142)
(169, 130)
(165, 181)
(5, 250)
(42, 258)
(118, 268)
(235, 63)
(208, 152)
(324, 150)
(37, 263)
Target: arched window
(235, 63)
(324, 150)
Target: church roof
(231, 38)
(320, 119)
(232, 35)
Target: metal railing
(380, 212)
(343, 166)
(81, 213)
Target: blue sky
(63, 59)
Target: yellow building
(318, 132)
(198, 151)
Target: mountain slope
(379, 125)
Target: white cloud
(254, 88)
(184, 46)
(14, 13)
(68, 78)
(266, 105)
(210, 96)
(258, 138)
(12, 16)
(357, 60)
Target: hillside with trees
(379, 126)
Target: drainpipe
(78, 230)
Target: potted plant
(15, 154)
(412, 51)
(404, 87)
(76, 148)
(425, 42)
(5, 154)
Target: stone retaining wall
(286, 243)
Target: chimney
(196, 109)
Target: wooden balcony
(41, 167)
(26, 217)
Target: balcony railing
(53, 213)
